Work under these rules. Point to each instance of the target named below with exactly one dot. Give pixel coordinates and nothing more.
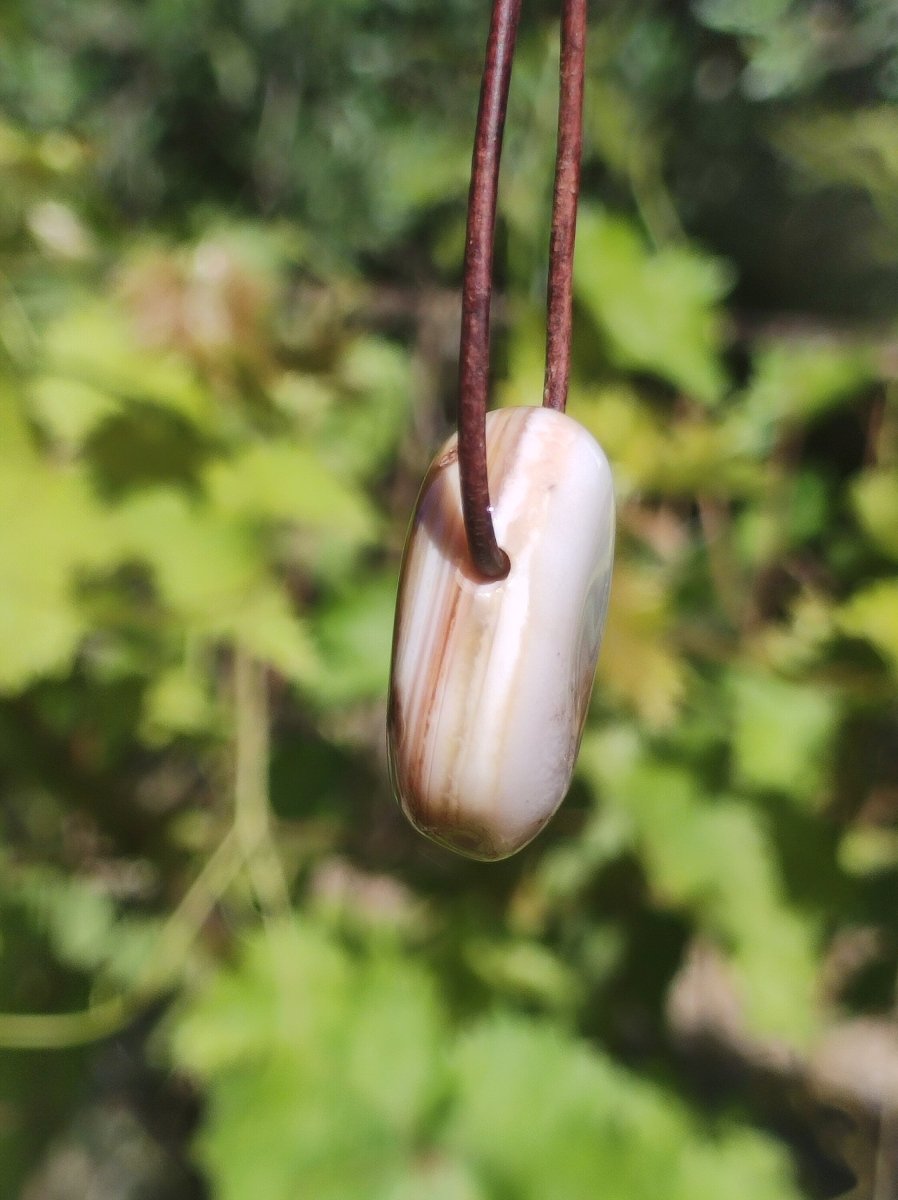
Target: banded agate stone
(491, 680)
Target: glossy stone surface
(491, 680)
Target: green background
(230, 254)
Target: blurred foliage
(230, 247)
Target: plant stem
(252, 813)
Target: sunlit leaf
(848, 147)
(286, 481)
(213, 574)
(782, 736)
(264, 623)
(80, 921)
(545, 1117)
(52, 526)
(95, 345)
(69, 409)
(875, 497)
(355, 634)
(638, 662)
(680, 458)
(178, 702)
(657, 309)
(524, 969)
(364, 428)
(420, 167)
(320, 1067)
(201, 561)
(798, 381)
(872, 613)
(712, 855)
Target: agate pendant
(491, 679)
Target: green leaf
(265, 625)
(798, 382)
(240, 1013)
(875, 496)
(277, 1132)
(202, 561)
(80, 921)
(544, 1117)
(680, 458)
(52, 526)
(421, 165)
(657, 309)
(178, 702)
(869, 850)
(524, 969)
(854, 146)
(755, 18)
(320, 1067)
(638, 662)
(68, 409)
(364, 429)
(77, 916)
(213, 576)
(354, 632)
(872, 613)
(287, 482)
(782, 735)
(94, 344)
(712, 856)
(438, 1178)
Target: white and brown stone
(491, 680)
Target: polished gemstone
(491, 680)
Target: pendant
(491, 679)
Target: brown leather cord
(560, 300)
(474, 350)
